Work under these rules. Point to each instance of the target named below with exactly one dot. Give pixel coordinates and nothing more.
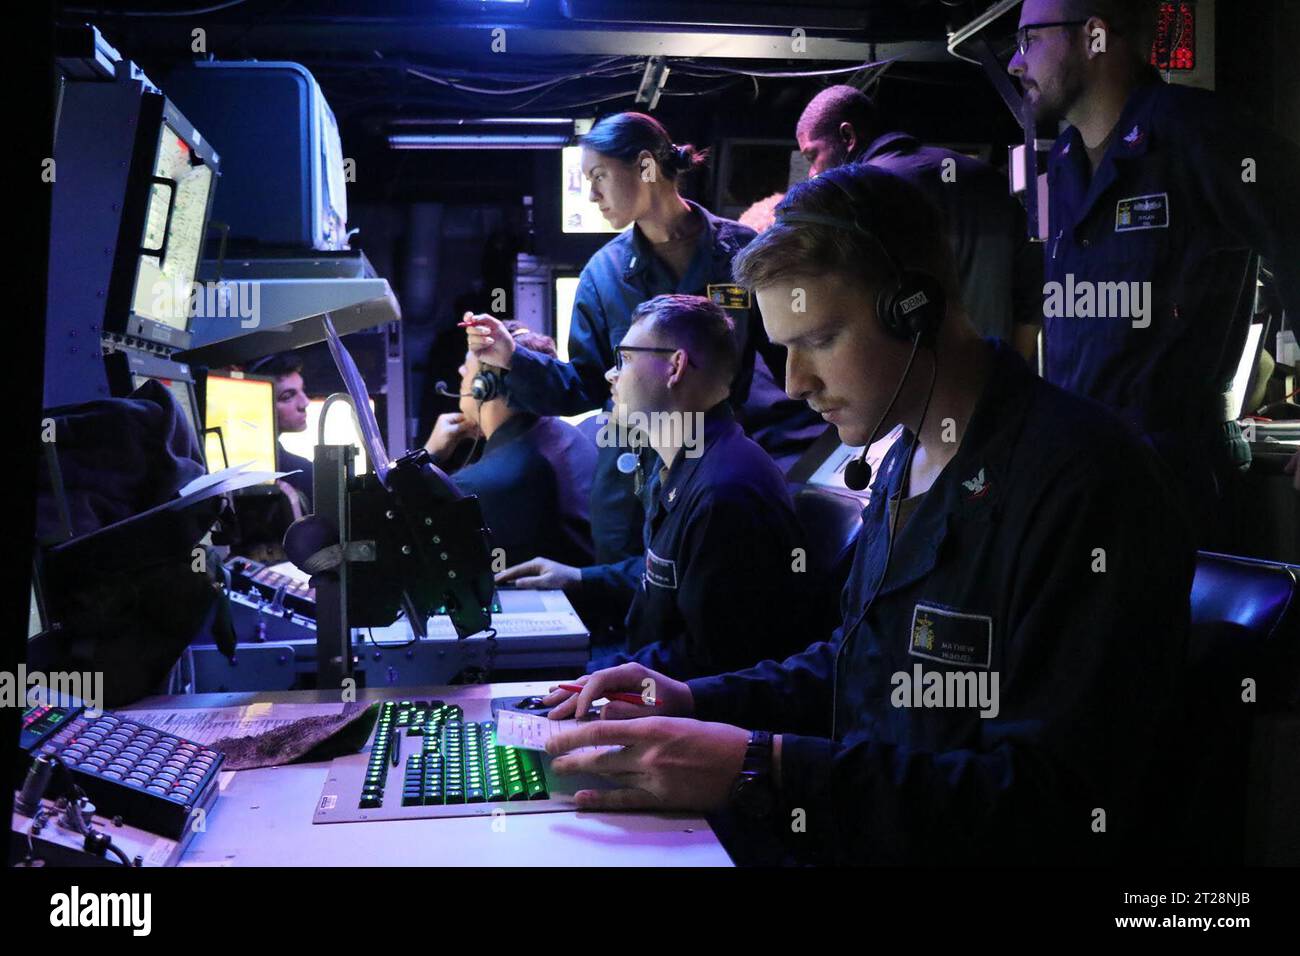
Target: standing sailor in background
(1158, 192)
(1000, 270)
(674, 246)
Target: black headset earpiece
(913, 305)
(914, 308)
(488, 384)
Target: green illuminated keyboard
(450, 761)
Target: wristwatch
(753, 795)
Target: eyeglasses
(618, 353)
(1022, 35)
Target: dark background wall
(443, 226)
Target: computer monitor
(242, 407)
(173, 236)
(1243, 382)
(129, 368)
(181, 390)
(172, 180)
(340, 429)
(565, 291)
(36, 613)
(822, 465)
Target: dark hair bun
(686, 158)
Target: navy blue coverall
(1046, 553)
(533, 483)
(720, 583)
(1182, 196)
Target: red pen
(625, 698)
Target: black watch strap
(753, 794)
(758, 755)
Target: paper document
(531, 731)
(205, 724)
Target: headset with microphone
(488, 384)
(910, 306)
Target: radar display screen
(173, 236)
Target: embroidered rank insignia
(977, 486)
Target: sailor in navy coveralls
(1005, 670)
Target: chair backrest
(1246, 613)
(831, 521)
(1243, 717)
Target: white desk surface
(264, 817)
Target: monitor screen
(1244, 379)
(340, 429)
(244, 410)
(577, 212)
(35, 618)
(174, 224)
(566, 290)
(834, 455)
(181, 392)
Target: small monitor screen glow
(163, 289)
(831, 472)
(244, 410)
(180, 391)
(1241, 382)
(566, 290)
(35, 620)
(340, 429)
(577, 212)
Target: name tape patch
(951, 637)
(660, 571)
(1142, 212)
(729, 296)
